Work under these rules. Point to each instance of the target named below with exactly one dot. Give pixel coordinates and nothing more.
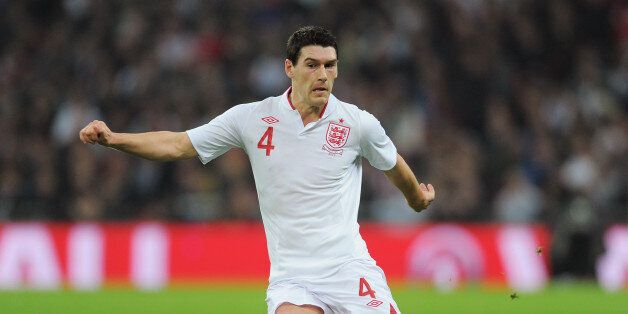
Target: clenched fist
(428, 194)
(96, 132)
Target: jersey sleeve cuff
(192, 134)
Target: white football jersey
(308, 178)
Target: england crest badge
(336, 137)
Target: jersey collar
(329, 107)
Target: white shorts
(357, 287)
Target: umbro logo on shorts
(270, 120)
(374, 303)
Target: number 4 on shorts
(365, 289)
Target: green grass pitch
(247, 298)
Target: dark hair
(307, 36)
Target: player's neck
(309, 112)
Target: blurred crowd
(514, 110)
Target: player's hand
(426, 196)
(96, 132)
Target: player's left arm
(418, 195)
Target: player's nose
(321, 74)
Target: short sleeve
(219, 135)
(375, 145)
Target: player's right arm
(159, 146)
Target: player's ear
(289, 68)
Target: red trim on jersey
(392, 310)
(323, 111)
(293, 107)
(290, 101)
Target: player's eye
(311, 65)
(330, 65)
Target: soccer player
(305, 148)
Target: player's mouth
(319, 90)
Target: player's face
(313, 75)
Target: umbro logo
(374, 303)
(270, 120)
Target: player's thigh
(289, 308)
(360, 288)
(291, 297)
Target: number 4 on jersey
(266, 142)
(365, 289)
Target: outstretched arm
(418, 196)
(159, 146)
